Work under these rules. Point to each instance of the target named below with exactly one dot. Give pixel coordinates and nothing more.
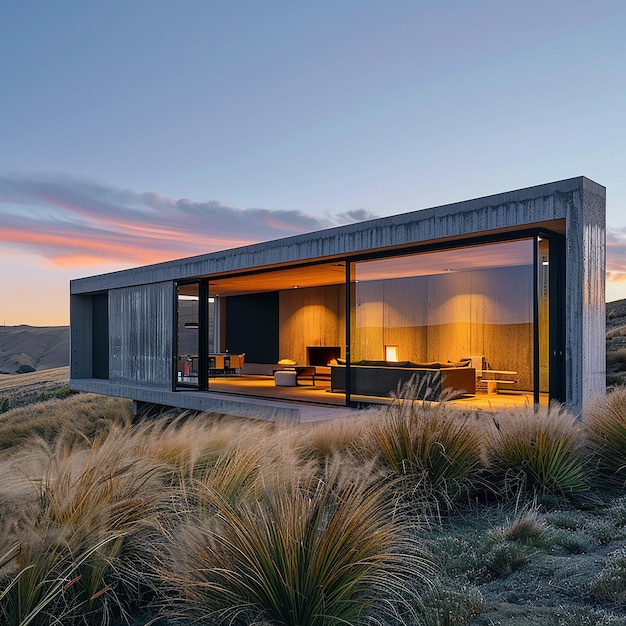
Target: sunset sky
(142, 131)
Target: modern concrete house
(497, 295)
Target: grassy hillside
(37, 347)
(616, 343)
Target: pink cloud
(616, 255)
(72, 221)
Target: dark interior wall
(252, 326)
(100, 319)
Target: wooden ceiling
(505, 254)
(277, 280)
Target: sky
(143, 131)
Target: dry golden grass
(309, 549)
(12, 381)
(78, 415)
(536, 449)
(91, 520)
(605, 435)
(103, 516)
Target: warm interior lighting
(391, 353)
(191, 325)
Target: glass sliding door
(542, 317)
(445, 306)
(197, 333)
(188, 334)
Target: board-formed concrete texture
(141, 300)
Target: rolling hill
(40, 347)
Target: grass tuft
(529, 529)
(313, 551)
(536, 450)
(605, 435)
(610, 584)
(429, 447)
(504, 558)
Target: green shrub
(605, 436)
(571, 542)
(537, 450)
(448, 607)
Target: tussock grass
(620, 331)
(312, 551)
(605, 435)
(528, 529)
(536, 449)
(87, 533)
(189, 445)
(506, 557)
(326, 439)
(47, 574)
(431, 448)
(610, 584)
(104, 518)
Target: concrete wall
(81, 339)
(141, 322)
(585, 348)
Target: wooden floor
(320, 394)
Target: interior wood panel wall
(447, 316)
(311, 317)
(367, 336)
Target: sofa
(433, 380)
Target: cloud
(71, 221)
(74, 222)
(357, 215)
(616, 254)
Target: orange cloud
(73, 222)
(615, 255)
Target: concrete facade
(142, 300)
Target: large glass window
(448, 305)
(543, 315)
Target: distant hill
(615, 314)
(40, 347)
(47, 347)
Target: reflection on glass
(445, 305)
(188, 311)
(543, 300)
